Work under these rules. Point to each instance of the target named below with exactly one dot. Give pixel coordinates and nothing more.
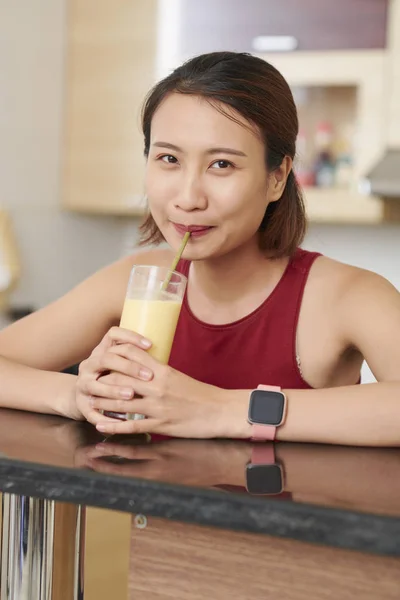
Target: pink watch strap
(261, 433)
(263, 454)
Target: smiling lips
(195, 230)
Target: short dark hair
(260, 94)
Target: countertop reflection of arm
(361, 479)
(46, 439)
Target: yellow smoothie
(155, 319)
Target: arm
(368, 315)
(368, 318)
(25, 388)
(34, 349)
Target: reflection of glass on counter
(344, 150)
(324, 163)
(10, 265)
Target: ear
(278, 178)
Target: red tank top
(259, 348)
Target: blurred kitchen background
(73, 74)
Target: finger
(104, 390)
(144, 388)
(136, 355)
(109, 468)
(120, 335)
(114, 362)
(94, 417)
(104, 450)
(105, 343)
(117, 379)
(138, 426)
(130, 452)
(141, 406)
(91, 453)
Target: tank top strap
(299, 269)
(288, 300)
(303, 260)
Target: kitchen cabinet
(393, 120)
(316, 24)
(364, 72)
(110, 66)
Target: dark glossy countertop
(337, 496)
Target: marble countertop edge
(365, 532)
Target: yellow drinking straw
(176, 260)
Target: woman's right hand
(107, 373)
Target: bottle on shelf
(344, 162)
(324, 163)
(304, 173)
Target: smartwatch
(267, 411)
(264, 475)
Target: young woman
(219, 139)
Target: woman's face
(207, 174)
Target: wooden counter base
(176, 561)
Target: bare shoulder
(81, 317)
(345, 281)
(110, 281)
(356, 297)
(117, 274)
(366, 313)
(160, 257)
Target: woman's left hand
(174, 404)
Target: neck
(228, 277)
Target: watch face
(264, 479)
(266, 407)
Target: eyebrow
(218, 150)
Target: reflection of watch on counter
(264, 475)
(267, 411)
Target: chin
(197, 252)
(192, 252)
(205, 247)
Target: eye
(168, 158)
(221, 164)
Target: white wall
(58, 249)
(370, 247)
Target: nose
(191, 196)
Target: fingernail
(145, 343)
(101, 427)
(126, 394)
(145, 374)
